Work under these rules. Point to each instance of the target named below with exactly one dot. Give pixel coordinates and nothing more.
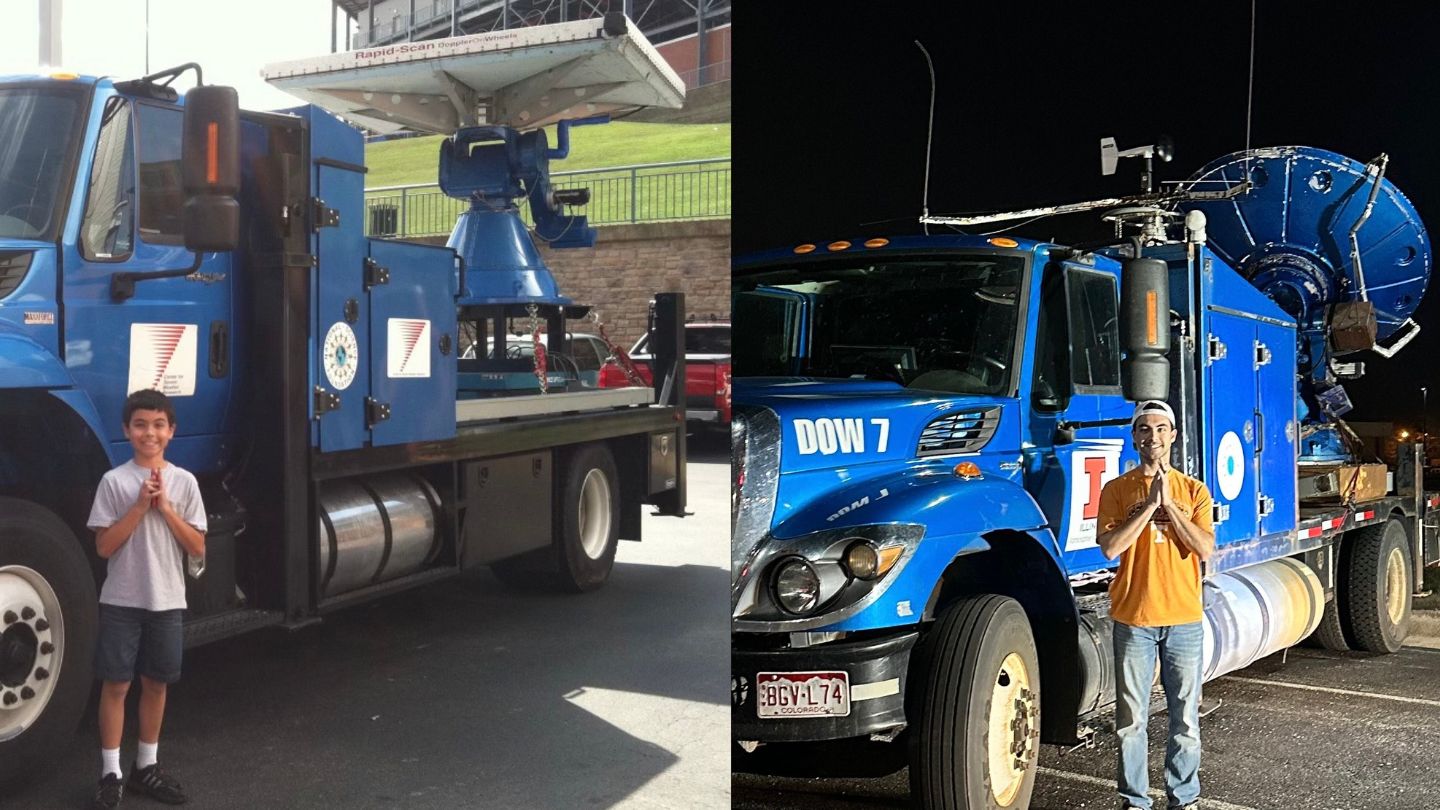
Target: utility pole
(50, 14)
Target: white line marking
(1205, 803)
(1333, 691)
(878, 689)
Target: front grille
(13, 267)
(961, 432)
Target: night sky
(831, 99)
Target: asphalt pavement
(467, 694)
(1303, 730)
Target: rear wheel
(586, 527)
(975, 737)
(1329, 634)
(47, 635)
(1379, 587)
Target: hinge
(375, 273)
(1262, 354)
(376, 411)
(1216, 350)
(1267, 505)
(325, 402)
(322, 216)
(1221, 512)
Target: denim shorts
(133, 640)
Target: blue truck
(923, 425)
(153, 239)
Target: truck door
(1076, 379)
(172, 334)
(1232, 424)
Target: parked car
(707, 372)
(580, 365)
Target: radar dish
(524, 78)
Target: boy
(147, 517)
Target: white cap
(1154, 406)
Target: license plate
(802, 694)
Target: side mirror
(210, 161)
(1145, 329)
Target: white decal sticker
(864, 501)
(1091, 467)
(884, 425)
(341, 355)
(39, 319)
(163, 357)
(830, 436)
(408, 352)
(1230, 466)
(903, 608)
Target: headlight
(797, 586)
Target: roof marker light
(1005, 242)
(803, 249)
(876, 242)
(840, 245)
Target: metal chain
(541, 372)
(619, 355)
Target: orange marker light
(65, 77)
(1151, 327)
(212, 153)
(803, 249)
(1001, 241)
(840, 245)
(967, 470)
(877, 242)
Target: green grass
(415, 160)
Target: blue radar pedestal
(1338, 247)
(492, 95)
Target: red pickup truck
(707, 372)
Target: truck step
(230, 623)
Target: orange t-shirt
(1158, 583)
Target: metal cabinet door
(1231, 463)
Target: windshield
(942, 323)
(37, 127)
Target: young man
(147, 517)
(1158, 521)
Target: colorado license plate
(802, 694)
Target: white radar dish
(524, 78)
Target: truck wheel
(975, 738)
(587, 518)
(1329, 634)
(47, 636)
(1380, 587)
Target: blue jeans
(1179, 648)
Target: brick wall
(632, 262)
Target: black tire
(586, 528)
(963, 676)
(1380, 587)
(38, 552)
(1329, 634)
(587, 518)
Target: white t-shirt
(149, 569)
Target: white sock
(110, 762)
(146, 757)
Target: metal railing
(653, 192)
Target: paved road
(467, 694)
(1323, 731)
